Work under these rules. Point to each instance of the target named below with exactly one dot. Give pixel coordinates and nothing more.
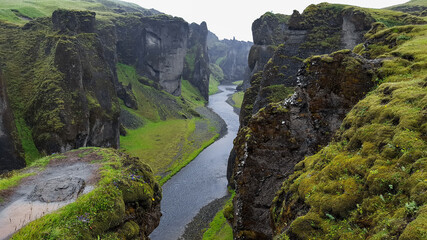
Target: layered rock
(230, 55)
(10, 147)
(156, 46)
(196, 67)
(282, 134)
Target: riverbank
(202, 181)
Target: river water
(201, 181)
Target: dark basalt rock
(10, 147)
(67, 21)
(282, 134)
(196, 66)
(156, 46)
(58, 190)
(125, 93)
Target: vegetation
(238, 99)
(22, 11)
(123, 180)
(215, 79)
(369, 182)
(219, 228)
(169, 137)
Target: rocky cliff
(275, 133)
(10, 146)
(196, 67)
(367, 183)
(60, 83)
(280, 135)
(61, 75)
(230, 55)
(156, 46)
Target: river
(201, 181)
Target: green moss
(277, 93)
(370, 181)
(219, 229)
(92, 215)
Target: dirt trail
(57, 181)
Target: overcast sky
(233, 18)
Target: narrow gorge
(124, 122)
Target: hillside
(332, 146)
(101, 74)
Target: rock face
(282, 134)
(65, 73)
(196, 67)
(61, 85)
(58, 190)
(230, 55)
(156, 46)
(93, 119)
(10, 147)
(288, 43)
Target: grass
(168, 139)
(30, 9)
(178, 165)
(213, 85)
(219, 229)
(238, 99)
(215, 78)
(6, 183)
(158, 144)
(30, 150)
(238, 82)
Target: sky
(233, 18)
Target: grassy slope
(374, 174)
(30, 9)
(166, 141)
(219, 228)
(215, 78)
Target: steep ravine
(201, 181)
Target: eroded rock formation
(282, 134)
(196, 67)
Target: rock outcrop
(282, 134)
(288, 43)
(231, 56)
(61, 86)
(275, 134)
(196, 66)
(97, 201)
(10, 147)
(156, 46)
(70, 84)
(359, 186)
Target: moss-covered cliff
(59, 84)
(370, 181)
(331, 194)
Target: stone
(58, 190)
